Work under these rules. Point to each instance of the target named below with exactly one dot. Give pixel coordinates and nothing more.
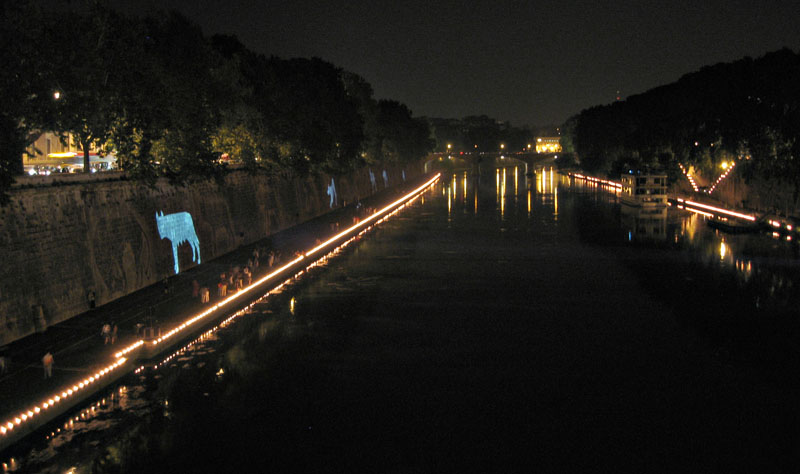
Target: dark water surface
(501, 324)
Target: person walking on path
(92, 298)
(114, 332)
(195, 288)
(248, 275)
(47, 362)
(3, 364)
(106, 333)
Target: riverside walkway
(84, 365)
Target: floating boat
(736, 226)
(643, 189)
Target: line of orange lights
(718, 210)
(602, 182)
(689, 177)
(696, 211)
(67, 392)
(721, 177)
(8, 426)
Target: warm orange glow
(602, 182)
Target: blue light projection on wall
(178, 228)
(404, 176)
(372, 180)
(385, 180)
(332, 193)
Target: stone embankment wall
(60, 240)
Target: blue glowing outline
(178, 228)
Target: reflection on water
(671, 252)
(644, 223)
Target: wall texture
(58, 241)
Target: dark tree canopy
(747, 110)
(169, 101)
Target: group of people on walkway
(236, 278)
(109, 333)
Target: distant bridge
(531, 160)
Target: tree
(26, 86)
(192, 99)
(315, 123)
(403, 138)
(88, 73)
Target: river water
(501, 323)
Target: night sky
(533, 63)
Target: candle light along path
(598, 181)
(26, 416)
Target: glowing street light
(57, 95)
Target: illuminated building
(548, 145)
(50, 152)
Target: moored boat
(736, 226)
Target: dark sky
(531, 63)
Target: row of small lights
(602, 182)
(696, 211)
(84, 415)
(8, 426)
(719, 210)
(689, 177)
(781, 226)
(729, 167)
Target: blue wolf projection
(332, 193)
(372, 181)
(178, 228)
